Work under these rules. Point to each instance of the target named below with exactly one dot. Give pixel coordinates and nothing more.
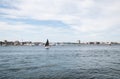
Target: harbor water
(60, 62)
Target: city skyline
(60, 20)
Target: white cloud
(4, 26)
(31, 32)
(84, 16)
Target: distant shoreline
(66, 45)
(30, 43)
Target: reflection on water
(60, 62)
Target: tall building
(78, 41)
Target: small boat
(47, 46)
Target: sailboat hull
(47, 47)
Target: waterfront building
(1, 43)
(78, 41)
(97, 42)
(16, 43)
(91, 43)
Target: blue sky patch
(52, 23)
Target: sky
(60, 20)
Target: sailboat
(47, 46)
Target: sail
(47, 43)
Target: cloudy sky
(60, 20)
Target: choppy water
(60, 62)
